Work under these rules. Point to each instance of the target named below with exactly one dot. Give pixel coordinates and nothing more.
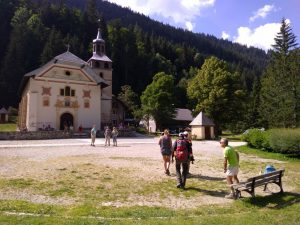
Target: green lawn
(8, 127)
(276, 209)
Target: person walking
(114, 134)
(107, 135)
(188, 138)
(93, 135)
(231, 165)
(181, 151)
(165, 144)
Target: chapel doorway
(66, 119)
(207, 133)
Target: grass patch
(278, 209)
(267, 155)
(7, 127)
(231, 137)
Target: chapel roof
(202, 120)
(3, 111)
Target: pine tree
(280, 92)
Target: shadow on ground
(202, 177)
(216, 193)
(275, 201)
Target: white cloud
(189, 25)
(262, 12)
(225, 35)
(180, 12)
(260, 37)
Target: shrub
(285, 141)
(257, 138)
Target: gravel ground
(40, 159)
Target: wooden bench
(260, 180)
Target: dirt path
(44, 160)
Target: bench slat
(264, 179)
(277, 172)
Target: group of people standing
(182, 151)
(108, 134)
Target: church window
(102, 48)
(101, 75)
(67, 91)
(106, 66)
(68, 73)
(98, 48)
(97, 64)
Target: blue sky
(248, 22)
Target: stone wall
(40, 135)
(33, 135)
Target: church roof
(99, 37)
(69, 57)
(100, 58)
(202, 120)
(66, 58)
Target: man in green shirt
(231, 165)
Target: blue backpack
(269, 169)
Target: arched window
(67, 91)
(97, 64)
(101, 74)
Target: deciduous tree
(157, 99)
(217, 91)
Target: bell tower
(102, 65)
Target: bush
(285, 141)
(257, 138)
(141, 130)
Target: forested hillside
(33, 32)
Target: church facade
(67, 91)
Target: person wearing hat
(181, 151)
(188, 137)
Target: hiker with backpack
(165, 144)
(182, 151)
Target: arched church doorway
(66, 119)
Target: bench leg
(238, 194)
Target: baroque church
(68, 91)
